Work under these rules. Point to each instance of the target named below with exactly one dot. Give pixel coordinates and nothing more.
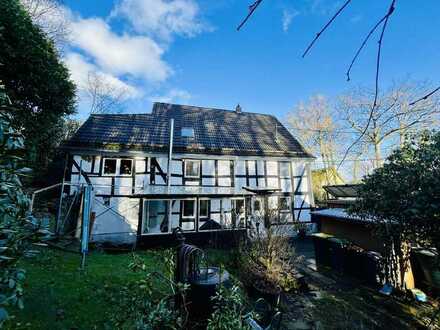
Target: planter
(271, 297)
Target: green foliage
(148, 303)
(17, 228)
(35, 80)
(228, 310)
(403, 197)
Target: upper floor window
(192, 168)
(284, 169)
(113, 166)
(187, 132)
(125, 167)
(110, 166)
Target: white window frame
(209, 206)
(183, 208)
(144, 217)
(184, 168)
(288, 168)
(244, 203)
(289, 204)
(119, 167)
(103, 167)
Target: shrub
(402, 200)
(18, 230)
(266, 263)
(229, 311)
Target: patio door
(155, 218)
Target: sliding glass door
(155, 218)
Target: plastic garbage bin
(322, 248)
(371, 267)
(353, 260)
(337, 253)
(427, 260)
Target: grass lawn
(60, 296)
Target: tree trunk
(377, 154)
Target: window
(125, 167)
(188, 208)
(204, 208)
(284, 204)
(257, 205)
(238, 213)
(187, 132)
(192, 168)
(284, 169)
(156, 217)
(109, 166)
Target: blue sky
(188, 51)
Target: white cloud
(355, 18)
(161, 18)
(173, 95)
(287, 18)
(130, 58)
(138, 56)
(80, 69)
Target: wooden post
(60, 204)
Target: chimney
(238, 108)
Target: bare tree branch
(376, 94)
(50, 16)
(364, 42)
(326, 26)
(104, 96)
(252, 9)
(426, 96)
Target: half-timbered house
(208, 171)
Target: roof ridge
(204, 108)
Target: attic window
(187, 132)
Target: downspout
(170, 157)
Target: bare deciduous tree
(50, 16)
(104, 96)
(392, 115)
(315, 126)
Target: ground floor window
(188, 214)
(238, 213)
(204, 208)
(285, 209)
(155, 217)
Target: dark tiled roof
(216, 131)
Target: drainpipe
(170, 157)
(170, 154)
